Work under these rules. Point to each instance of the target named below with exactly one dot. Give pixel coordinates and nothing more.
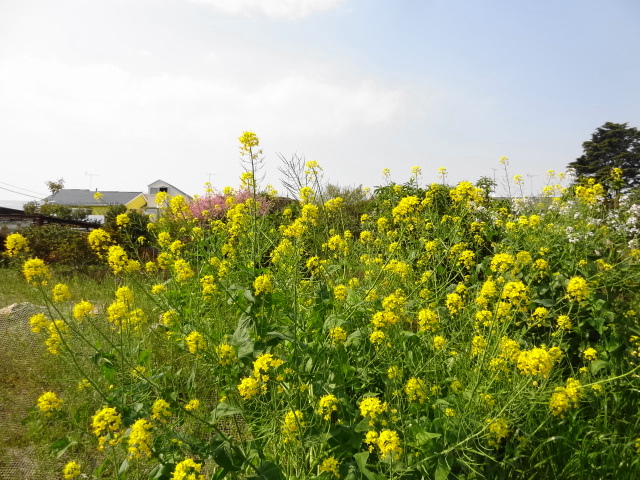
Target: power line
(20, 188)
(20, 193)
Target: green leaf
(223, 409)
(124, 466)
(61, 445)
(268, 471)
(442, 470)
(598, 365)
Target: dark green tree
(613, 145)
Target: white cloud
(42, 96)
(286, 9)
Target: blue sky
(115, 94)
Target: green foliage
(60, 245)
(54, 210)
(613, 145)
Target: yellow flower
(157, 289)
(160, 410)
(590, 354)
(122, 220)
(71, 470)
(140, 439)
(478, 345)
(439, 342)
(389, 444)
(394, 372)
(195, 342)
(564, 322)
(187, 469)
(499, 429)
(449, 412)
(340, 292)
(82, 310)
(183, 270)
(60, 293)
(48, 402)
(564, 398)
(326, 405)
(262, 285)
(226, 354)
(415, 390)
(292, 424)
(372, 407)
(427, 320)
(15, 243)
(577, 289)
(330, 465)
(249, 387)
(39, 322)
(36, 271)
(538, 361)
(106, 424)
(338, 335)
(192, 405)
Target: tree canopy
(613, 145)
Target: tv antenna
(531, 182)
(90, 175)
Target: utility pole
(531, 183)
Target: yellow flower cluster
(226, 354)
(577, 289)
(338, 335)
(82, 310)
(415, 390)
(106, 424)
(60, 293)
(188, 469)
(71, 470)
(36, 272)
(262, 285)
(16, 244)
(195, 342)
(499, 430)
(140, 439)
(292, 425)
(160, 410)
(326, 405)
(49, 402)
(330, 465)
(387, 441)
(564, 398)
(538, 360)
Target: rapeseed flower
(36, 272)
(564, 398)
(330, 465)
(590, 354)
(415, 390)
(187, 469)
(226, 354)
(195, 342)
(16, 244)
(372, 407)
(292, 425)
(160, 410)
(71, 470)
(82, 310)
(60, 293)
(106, 424)
(338, 335)
(49, 402)
(577, 289)
(499, 429)
(389, 444)
(140, 439)
(249, 387)
(538, 361)
(327, 405)
(39, 322)
(262, 285)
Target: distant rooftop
(82, 197)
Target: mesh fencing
(21, 352)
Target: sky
(115, 94)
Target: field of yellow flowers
(442, 335)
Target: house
(98, 202)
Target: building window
(164, 189)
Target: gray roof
(84, 198)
